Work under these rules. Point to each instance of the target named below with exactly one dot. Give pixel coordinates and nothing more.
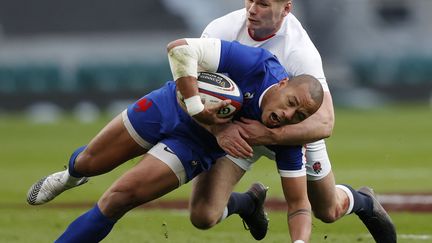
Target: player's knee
(204, 219)
(116, 202)
(85, 163)
(328, 216)
(325, 217)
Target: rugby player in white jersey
(271, 25)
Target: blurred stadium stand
(103, 51)
(26, 17)
(98, 51)
(383, 45)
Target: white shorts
(170, 159)
(316, 160)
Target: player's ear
(287, 8)
(283, 82)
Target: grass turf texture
(46, 224)
(388, 149)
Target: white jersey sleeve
(198, 55)
(208, 52)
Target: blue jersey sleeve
(288, 157)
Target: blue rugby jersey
(253, 69)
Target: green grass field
(389, 149)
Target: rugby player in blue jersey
(175, 145)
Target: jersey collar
(263, 93)
(260, 39)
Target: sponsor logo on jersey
(143, 105)
(248, 95)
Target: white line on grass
(405, 199)
(408, 236)
(414, 237)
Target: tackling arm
(185, 57)
(316, 127)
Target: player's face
(285, 104)
(264, 17)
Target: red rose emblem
(317, 167)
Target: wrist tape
(194, 105)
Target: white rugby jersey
(291, 44)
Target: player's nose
(252, 8)
(288, 114)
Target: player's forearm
(302, 133)
(185, 55)
(299, 208)
(299, 217)
(184, 65)
(300, 224)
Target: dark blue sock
(363, 205)
(240, 203)
(90, 227)
(72, 159)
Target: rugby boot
(257, 222)
(379, 223)
(47, 188)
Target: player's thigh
(322, 193)
(321, 182)
(112, 146)
(151, 178)
(212, 189)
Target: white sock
(224, 214)
(350, 197)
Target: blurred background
(91, 57)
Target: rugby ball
(215, 87)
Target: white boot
(47, 188)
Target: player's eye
(291, 103)
(300, 116)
